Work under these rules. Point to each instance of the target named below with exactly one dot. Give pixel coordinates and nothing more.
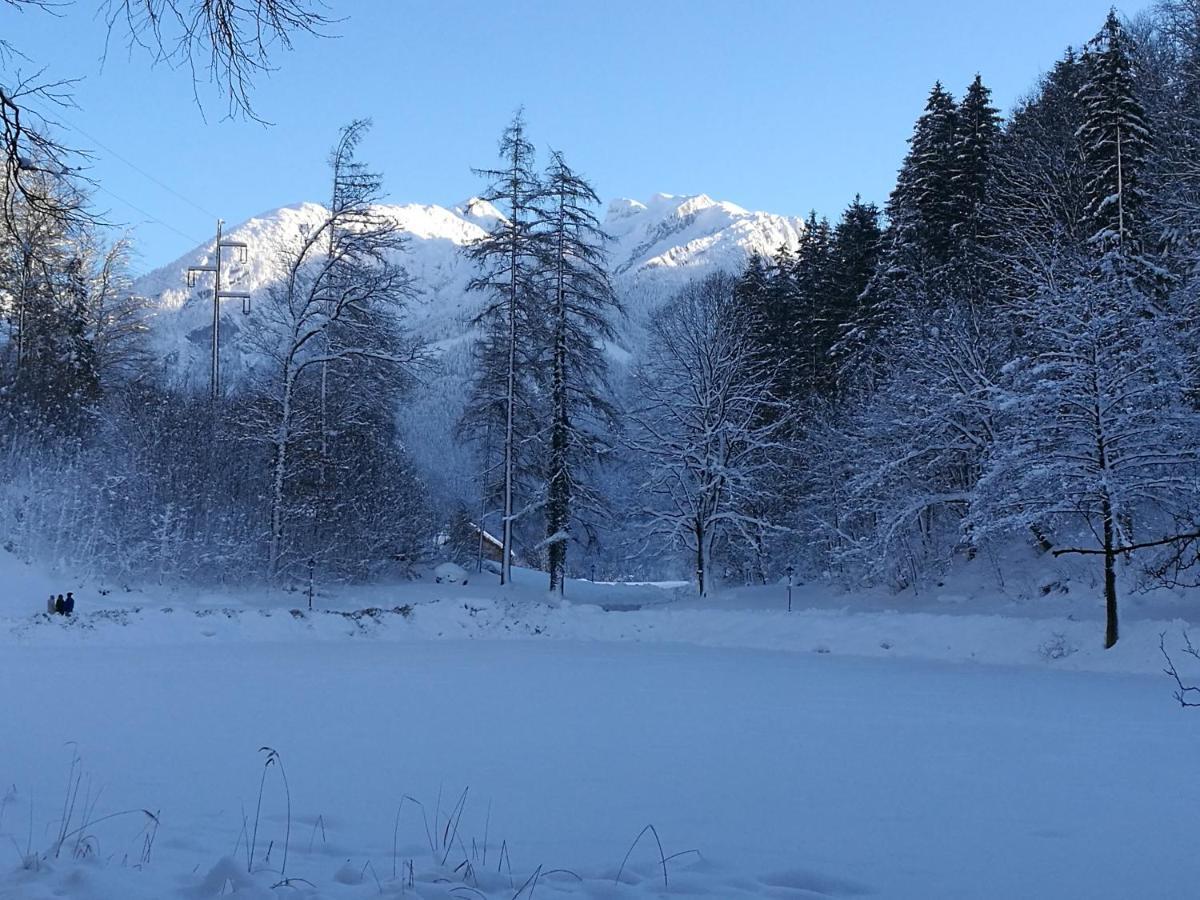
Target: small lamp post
(791, 570)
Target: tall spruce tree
(913, 276)
(922, 208)
(581, 313)
(511, 259)
(808, 369)
(913, 279)
(1116, 141)
(978, 130)
(768, 292)
(854, 257)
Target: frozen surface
(966, 742)
(794, 774)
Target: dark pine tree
(921, 208)
(505, 398)
(767, 292)
(755, 281)
(808, 370)
(582, 309)
(854, 256)
(1116, 141)
(978, 125)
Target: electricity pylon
(218, 296)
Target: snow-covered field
(795, 766)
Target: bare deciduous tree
(335, 302)
(1186, 694)
(118, 317)
(707, 425)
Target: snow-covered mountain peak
(702, 202)
(693, 233)
(479, 211)
(657, 246)
(622, 208)
(432, 222)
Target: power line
(152, 218)
(162, 184)
(166, 187)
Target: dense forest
(1006, 352)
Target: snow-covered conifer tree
(1115, 138)
(581, 313)
(505, 398)
(857, 240)
(977, 125)
(921, 209)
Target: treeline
(1006, 353)
(107, 471)
(1014, 354)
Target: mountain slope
(674, 238)
(657, 246)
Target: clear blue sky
(782, 105)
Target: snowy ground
(794, 775)
(797, 766)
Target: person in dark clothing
(69, 604)
(60, 605)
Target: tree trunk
(1110, 576)
(701, 561)
(279, 478)
(26, 266)
(507, 530)
(559, 501)
(511, 388)
(1106, 510)
(558, 505)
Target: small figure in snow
(50, 605)
(60, 604)
(69, 604)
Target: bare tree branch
(231, 41)
(1186, 694)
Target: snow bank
(1062, 643)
